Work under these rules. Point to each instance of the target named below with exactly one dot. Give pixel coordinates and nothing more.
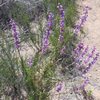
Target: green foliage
(69, 6)
(71, 14)
(18, 12)
(90, 93)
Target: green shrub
(37, 79)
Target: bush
(35, 75)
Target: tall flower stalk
(15, 33)
(83, 56)
(45, 41)
(91, 64)
(84, 60)
(90, 55)
(61, 22)
(82, 20)
(85, 83)
(30, 61)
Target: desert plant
(36, 76)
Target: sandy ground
(92, 29)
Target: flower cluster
(84, 56)
(45, 41)
(82, 20)
(90, 55)
(62, 51)
(78, 53)
(30, 61)
(78, 49)
(91, 63)
(85, 83)
(15, 33)
(59, 87)
(85, 51)
(62, 17)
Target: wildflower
(77, 54)
(91, 64)
(30, 61)
(15, 33)
(86, 82)
(82, 54)
(83, 19)
(61, 23)
(83, 58)
(59, 87)
(62, 51)
(85, 51)
(78, 49)
(45, 42)
(90, 55)
(61, 37)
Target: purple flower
(30, 61)
(81, 55)
(83, 58)
(83, 19)
(85, 51)
(90, 55)
(15, 33)
(59, 87)
(86, 82)
(45, 41)
(77, 54)
(78, 49)
(61, 22)
(91, 64)
(62, 51)
(61, 37)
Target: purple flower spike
(83, 59)
(62, 51)
(84, 84)
(45, 41)
(61, 37)
(15, 33)
(91, 64)
(59, 87)
(78, 49)
(85, 51)
(30, 61)
(90, 55)
(83, 19)
(61, 22)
